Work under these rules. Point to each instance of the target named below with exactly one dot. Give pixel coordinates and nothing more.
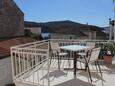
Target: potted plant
(109, 51)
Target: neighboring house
(106, 30)
(5, 60)
(66, 35)
(83, 34)
(36, 29)
(102, 35)
(63, 30)
(11, 19)
(69, 29)
(94, 32)
(91, 34)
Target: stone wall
(11, 20)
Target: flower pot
(108, 59)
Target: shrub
(110, 49)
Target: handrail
(28, 44)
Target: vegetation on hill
(61, 26)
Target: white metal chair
(90, 44)
(55, 51)
(92, 57)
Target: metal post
(114, 29)
(12, 61)
(114, 21)
(110, 30)
(48, 62)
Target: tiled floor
(66, 78)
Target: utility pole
(114, 22)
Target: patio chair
(84, 53)
(55, 51)
(92, 57)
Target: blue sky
(95, 12)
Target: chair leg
(68, 65)
(88, 70)
(51, 59)
(99, 68)
(89, 73)
(96, 66)
(68, 62)
(85, 67)
(58, 62)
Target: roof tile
(5, 45)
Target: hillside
(66, 27)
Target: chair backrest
(94, 54)
(54, 46)
(92, 44)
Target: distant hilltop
(62, 26)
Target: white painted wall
(36, 30)
(5, 71)
(90, 34)
(62, 36)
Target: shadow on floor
(108, 68)
(111, 68)
(54, 74)
(93, 75)
(75, 82)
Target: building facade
(66, 36)
(35, 30)
(11, 19)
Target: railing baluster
(28, 59)
(19, 66)
(24, 58)
(16, 64)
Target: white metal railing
(65, 42)
(28, 57)
(31, 57)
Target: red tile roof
(5, 45)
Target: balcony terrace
(32, 65)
